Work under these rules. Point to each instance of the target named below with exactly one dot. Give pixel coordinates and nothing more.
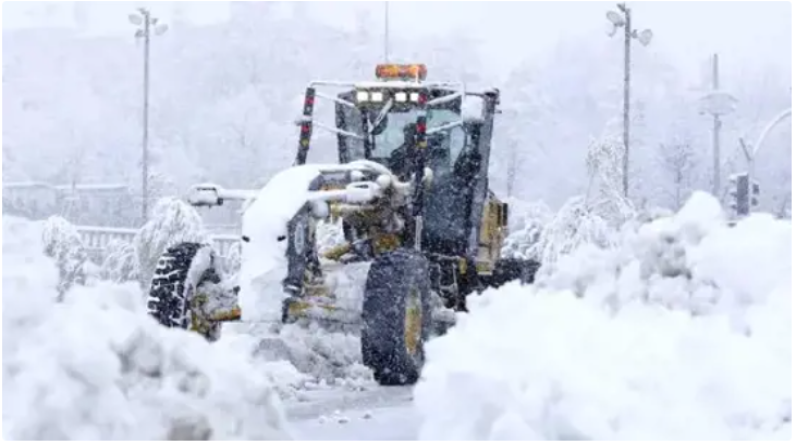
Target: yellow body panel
(493, 232)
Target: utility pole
(145, 19)
(619, 21)
(716, 103)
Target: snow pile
(305, 356)
(97, 367)
(680, 331)
(297, 358)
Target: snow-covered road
(377, 414)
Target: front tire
(396, 316)
(180, 272)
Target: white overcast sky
(750, 32)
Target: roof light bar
(391, 71)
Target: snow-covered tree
(120, 264)
(62, 242)
(604, 196)
(574, 225)
(679, 160)
(172, 221)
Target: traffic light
(755, 194)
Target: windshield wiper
(380, 117)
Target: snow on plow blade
(278, 234)
(326, 314)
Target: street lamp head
(139, 33)
(615, 18)
(160, 29)
(645, 37)
(610, 29)
(135, 19)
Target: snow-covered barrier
(95, 366)
(681, 331)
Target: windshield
(389, 135)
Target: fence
(96, 239)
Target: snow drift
(97, 367)
(681, 331)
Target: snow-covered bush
(62, 242)
(173, 221)
(96, 366)
(526, 226)
(695, 343)
(119, 264)
(572, 226)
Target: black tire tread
(386, 290)
(167, 300)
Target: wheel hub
(412, 323)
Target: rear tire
(173, 287)
(396, 316)
(511, 269)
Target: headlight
(362, 96)
(400, 96)
(414, 97)
(377, 96)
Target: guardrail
(96, 239)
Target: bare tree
(679, 160)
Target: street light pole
(624, 21)
(626, 106)
(145, 19)
(145, 133)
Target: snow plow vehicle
(411, 197)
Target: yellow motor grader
(411, 196)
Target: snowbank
(97, 367)
(681, 331)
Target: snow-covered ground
(682, 331)
(679, 329)
(97, 367)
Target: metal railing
(96, 239)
